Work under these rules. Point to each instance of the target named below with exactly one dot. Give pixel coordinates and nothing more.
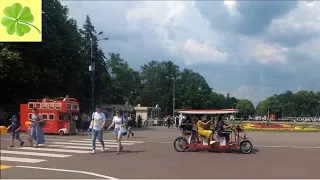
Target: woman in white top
(119, 129)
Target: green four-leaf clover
(17, 19)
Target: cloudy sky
(251, 49)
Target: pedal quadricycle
(237, 140)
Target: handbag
(123, 129)
(42, 124)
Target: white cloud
(175, 30)
(231, 6)
(311, 47)
(199, 52)
(253, 93)
(266, 54)
(180, 28)
(305, 19)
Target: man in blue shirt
(15, 125)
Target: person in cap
(15, 125)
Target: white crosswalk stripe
(82, 144)
(72, 147)
(56, 148)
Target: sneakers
(11, 146)
(103, 149)
(21, 143)
(212, 142)
(93, 151)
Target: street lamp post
(92, 67)
(173, 92)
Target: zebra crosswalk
(55, 148)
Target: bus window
(69, 117)
(38, 105)
(75, 107)
(68, 106)
(30, 105)
(51, 116)
(30, 116)
(61, 117)
(44, 105)
(58, 106)
(45, 116)
(51, 106)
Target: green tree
(101, 75)
(125, 81)
(246, 108)
(157, 84)
(195, 93)
(47, 68)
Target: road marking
(54, 150)
(115, 141)
(35, 154)
(71, 147)
(24, 160)
(160, 142)
(296, 147)
(83, 144)
(106, 142)
(71, 171)
(4, 167)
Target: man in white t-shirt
(96, 128)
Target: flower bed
(277, 127)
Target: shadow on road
(126, 151)
(139, 137)
(234, 151)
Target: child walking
(15, 125)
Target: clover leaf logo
(18, 20)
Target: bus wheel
(61, 133)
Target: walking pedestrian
(96, 128)
(85, 121)
(177, 121)
(119, 129)
(36, 128)
(169, 120)
(15, 125)
(129, 126)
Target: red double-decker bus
(58, 114)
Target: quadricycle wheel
(246, 147)
(180, 144)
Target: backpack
(123, 129)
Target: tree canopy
(303, 103)
(59, 66)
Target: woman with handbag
(119, 129)
(36, 128)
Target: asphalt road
(150, 154)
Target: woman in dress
(35, 128)
(118, 123)
(204, 130)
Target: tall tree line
(59, 66)
(288, 104)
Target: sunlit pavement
(151, 155)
